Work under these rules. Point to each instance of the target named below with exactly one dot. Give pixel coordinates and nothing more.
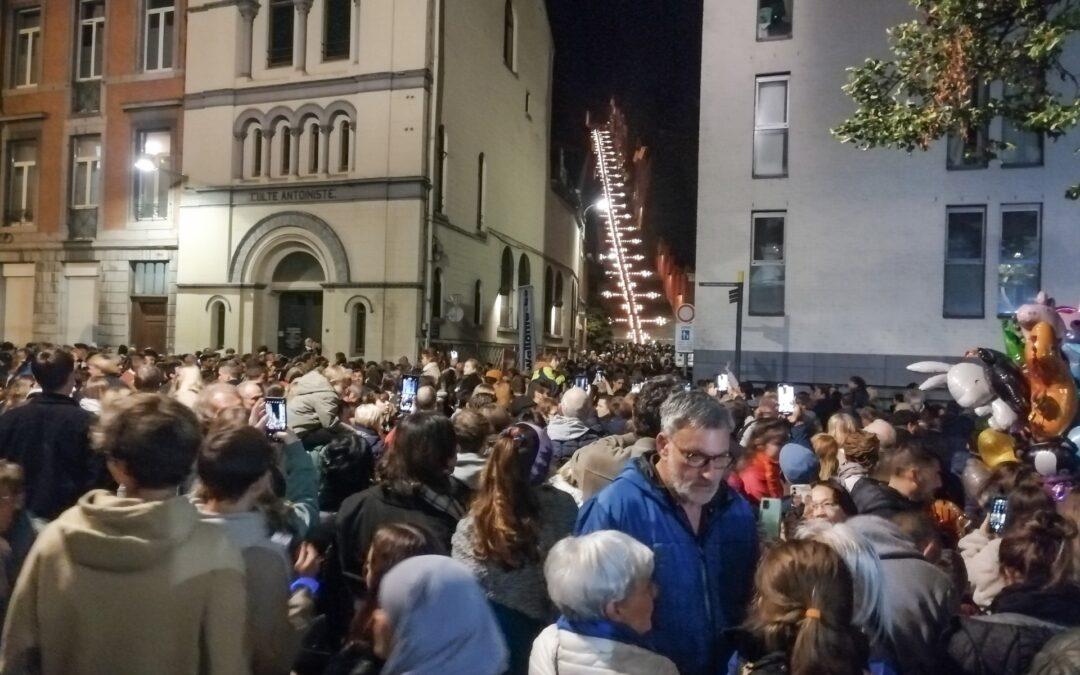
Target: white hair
(586, 573)
(574, 403)
(368, 415)
(871, 603)
(694, 409)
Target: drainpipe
(432, 126)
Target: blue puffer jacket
(705, 580)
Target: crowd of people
(232, 513)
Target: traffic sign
(685, 313)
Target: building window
(965, 263)
(21, 192)
(506, 289)
(217, 325)
(968, 150)
(771, 127)
(27, 58)
(549, 297)
(336, 26)
(91, 39)
(767, 264)
(509, 36)
(436, 294)
(148, 278)
(774, 19)
(556, 306)
(478, 304)
(481, 190)
(1020, 257)
(528, 103)
(284, 133)
(152, 187)
(86, 171)
(359, 341)
(256, 153)
(341, 143)
(158, 34)
(280, 52)
(313, 148)
(440, 170)
(524, 272)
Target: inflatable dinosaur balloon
(1053, 390)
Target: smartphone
(453, 354)
(409, 385)
(769, 518)
(581, 382)
(276, 417)
(722, 382)
(801, 492)
(998, 510)
(786, 399)
(636, 389)
(687, 387)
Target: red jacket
(761, 479)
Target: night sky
(647, 54)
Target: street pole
(738, 329)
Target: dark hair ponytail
(1040, 549)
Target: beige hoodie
(119, 585)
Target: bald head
(575, 403)
(250, 392)
(425, 398)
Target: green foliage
(934, 84)
(598, 326)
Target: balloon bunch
(1029, 391)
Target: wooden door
(149, 320)
(299, 317)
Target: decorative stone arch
(219, 298)
(339, 108)
(276, 113)
(245, 120)
(359, 299)
(308, 110)
(306, 231)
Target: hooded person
(133, 582)
(922, 596)
(799, 464)
(433, 619)
(315, 399)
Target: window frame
(478, 303)
(1020, 207)
(282, 62)
(754, 215)
(29, 199)
(164, 46)
(97, 34)
(962, 208)
(757, 26)
(358, 344)
(785, 127)
(325, 32)
(34, 42)
(141, 134)
(88, 163)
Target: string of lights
(621, 252)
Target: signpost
(528, 335)
(735, 297)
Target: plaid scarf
(444, 503)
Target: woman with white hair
(602, 585)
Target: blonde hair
(826, 448)
(841, 425)
(368, 415)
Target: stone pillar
(248, 10)
(354, 42)
(324, 148)
(267, 160)
(300, 35)
(294, 150)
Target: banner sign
(528, 336)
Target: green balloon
(1014, 340)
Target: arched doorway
(296, 281)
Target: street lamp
(145, 165)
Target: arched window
(557, 306)
(478, 305)
(549, 290)
(481, 189)
(313, 148)
(436, 294)
(253, 152)
(506, 289)
(524, 273)
(217, 325)
(359, 326)
(281, 148)
(509, 36)
(343, 137)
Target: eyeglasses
(698, 460)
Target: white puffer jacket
(560, 652)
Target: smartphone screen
(582, 382)
(997, 514)
(276, 417)
(786, 399)
(635, 389)
(409, 385)
(769, 518)
(722, 382)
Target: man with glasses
(676, 501)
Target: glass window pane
(774, 19)
(160, 4)
(95, 182)
(281, 33)
(153, 27)
(92, 9)
(768, 239)
(1020, 236)
(965, 236)
(167, 41)
(964, 290)
(99, 46)
(336, 29)
(771, 103)
(1019, 264)
(22, 58)
(24, 151)
(79, 188)
(767, 289)
(86, 51)
(1027, 146)
(770, 152)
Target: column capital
(302, 6)
(248, 9)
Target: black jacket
(874, 498)
(48, 437)
(1022, 621)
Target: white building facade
(356, 171)
(856, 263)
